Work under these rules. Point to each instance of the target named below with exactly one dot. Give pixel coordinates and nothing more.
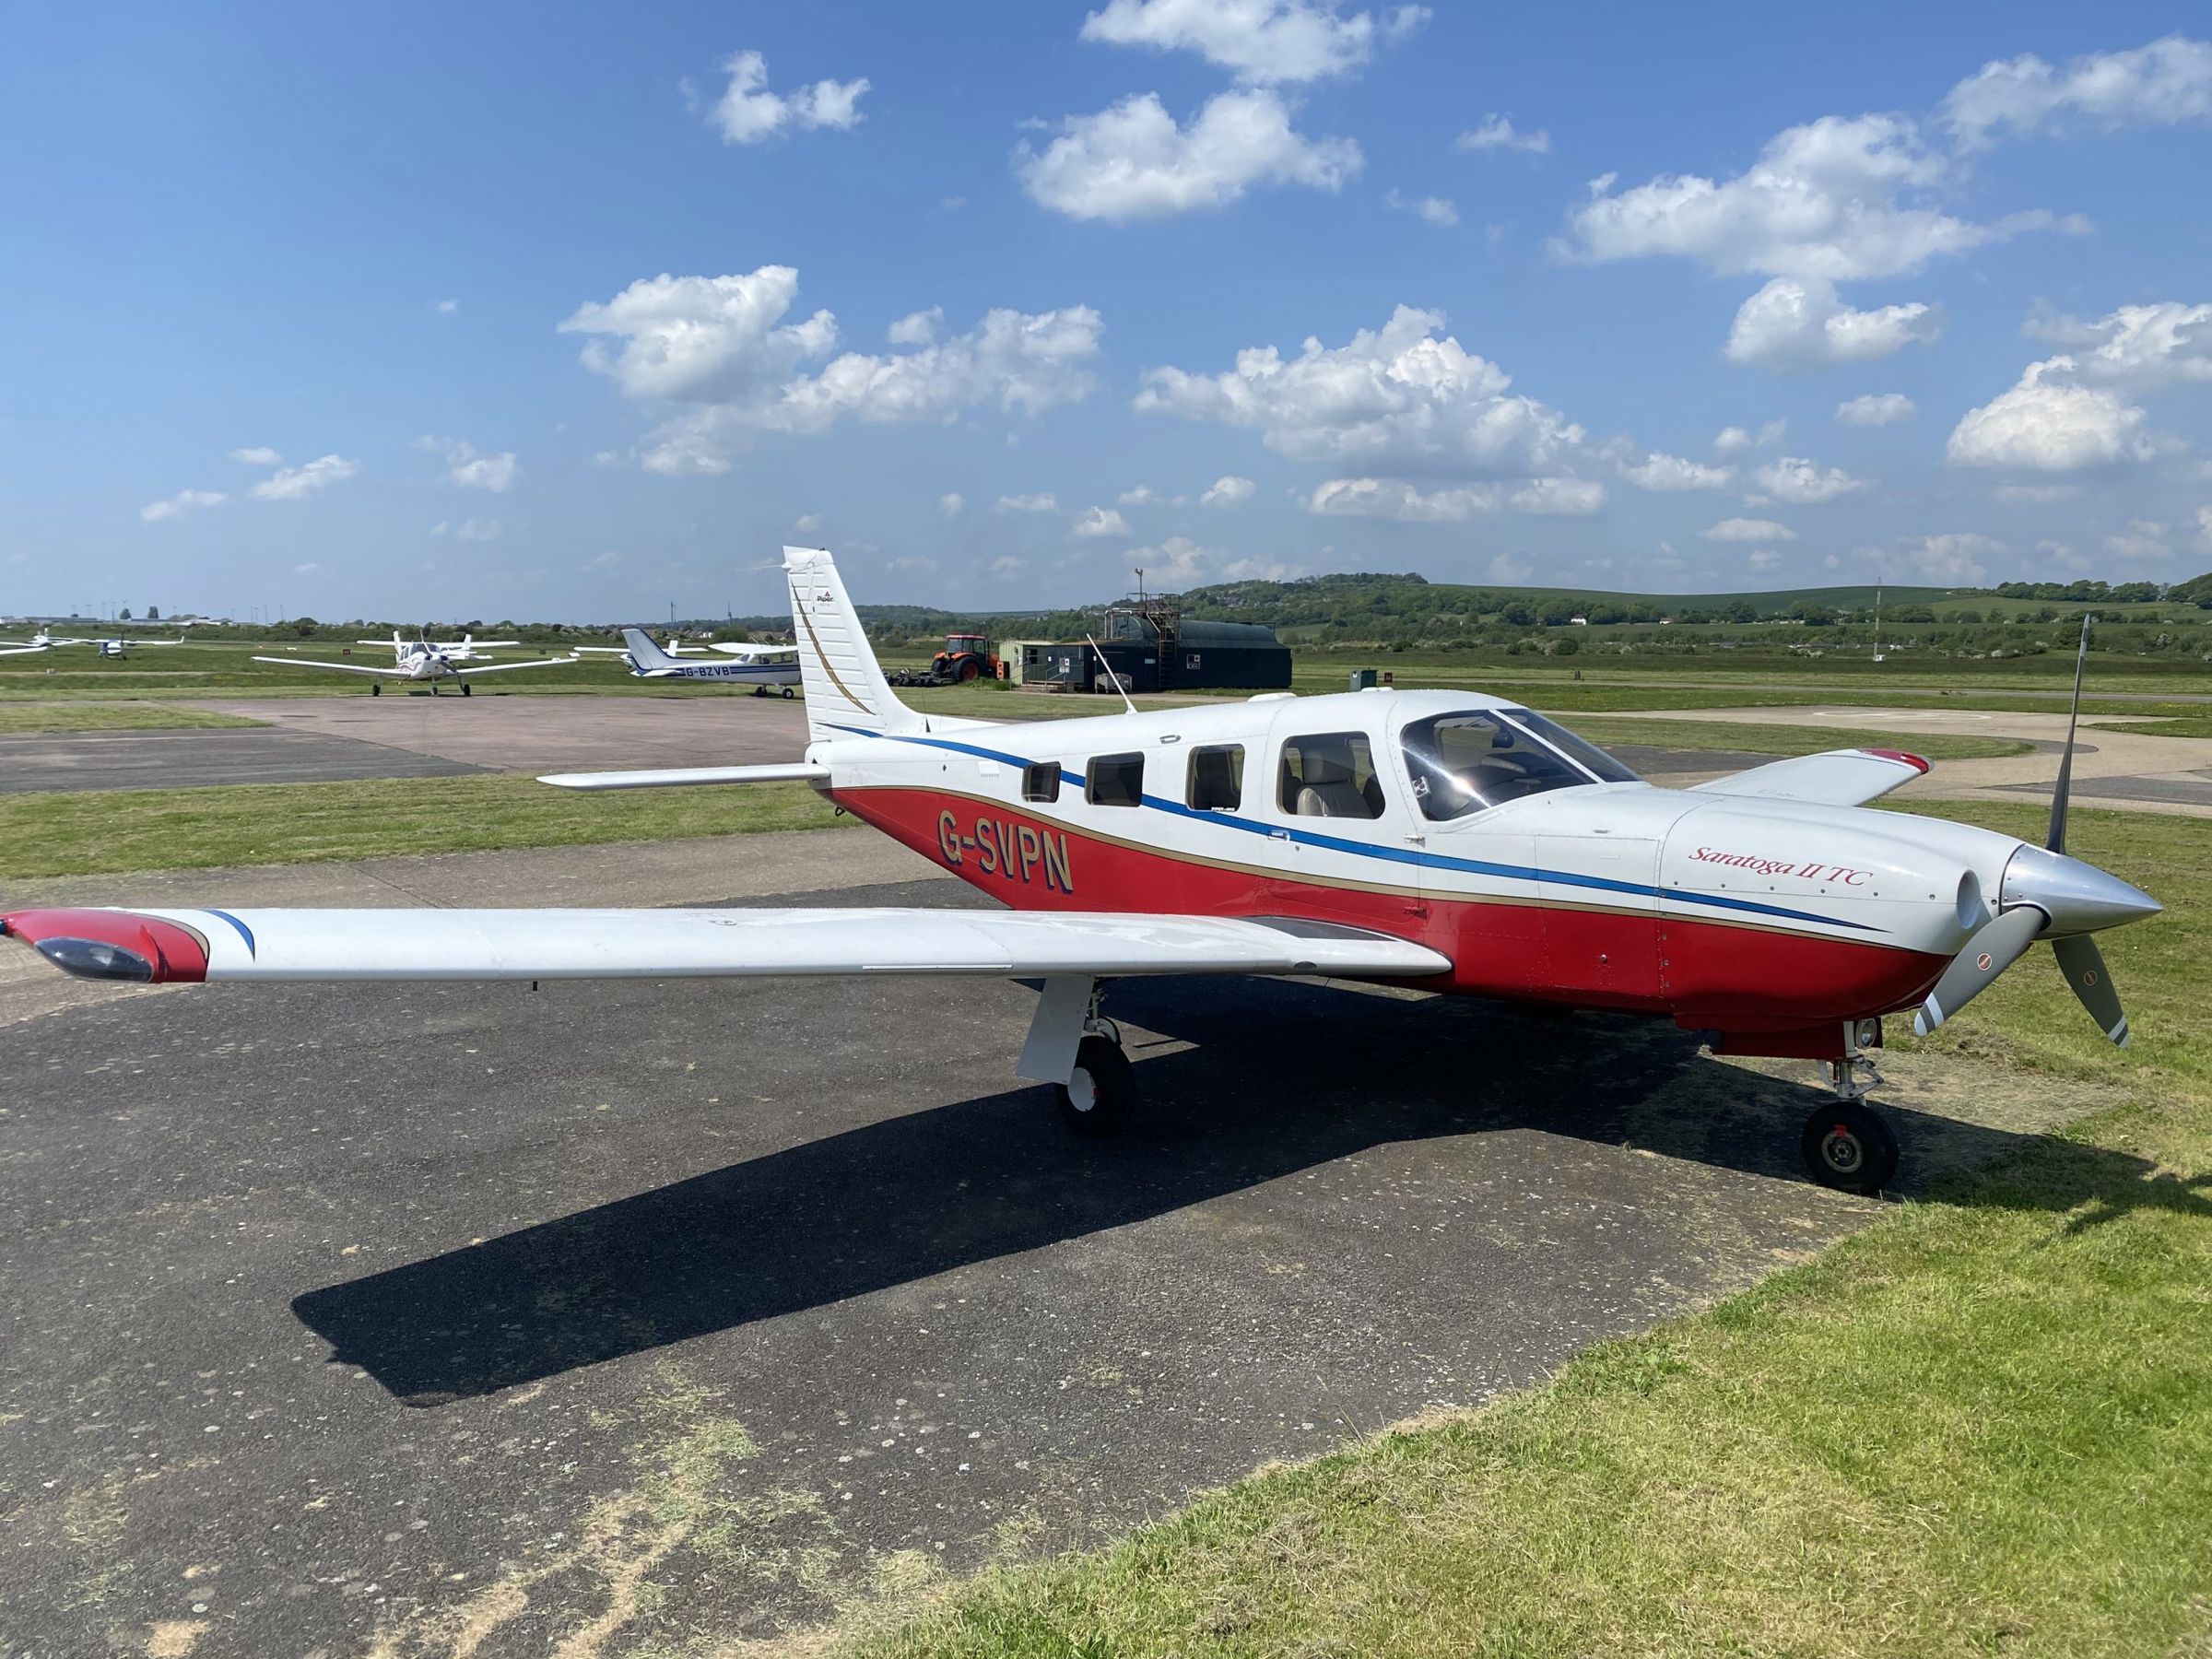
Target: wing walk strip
(1433, 860)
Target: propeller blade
(2060, 795)
(2083, 964)
(1996, 948)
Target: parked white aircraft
(760, 666)
(420, 663)
(1446, 840)
(468, 650)
(113, 645)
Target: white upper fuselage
(1608, 891)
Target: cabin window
(1216, 781)
(1040, 781)
(1116, 780)
(1331, 775)
(1484, 757)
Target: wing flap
(1833, 778)
(670, 944)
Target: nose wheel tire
(1098, 1099)
(1848, 1148)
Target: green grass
(1983, 1425)
(20, 719)
(102, 832)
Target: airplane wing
(22, 650)
(503, 667)
(190, 946)
(798, 772)
(341, 667)
(1834, 778)
(602, 649)
(754, 653)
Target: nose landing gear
(1847, 1144)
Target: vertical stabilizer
(846, 692)
(644, 655)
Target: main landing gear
(1847, 1144)
(1077, 1050)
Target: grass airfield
(1982, 1422)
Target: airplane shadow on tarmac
(1258, 1097)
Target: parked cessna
(1444, 840)
(760, 666)
(469, 650)
(420, 663)
(114, 645)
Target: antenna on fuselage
(1113, 678)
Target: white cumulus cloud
(2143, 538)
(184, 501)
(1434, 211)
(1796, 323)
(1144, 495)
(1095, 521)
(1748, 530)
(2165, 83)
(2142, 347)
(1498, 133)
(1841, 197)
(749, 114)
(807, 524)
(297, 483)
(2050, 422)
(1876, 409)
(721, 342)
(1763, 559)
(471, 468)
(1395, 499)
(1045, 502)
(1952, 560)
(952, 503)
(1261, 40)
(1801, 483)
(257, 456)
(1228, 490)
(1735, 439)
(1399, 397)
(1673, 474)
(1133, 161)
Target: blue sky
(364, 314)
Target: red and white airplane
(1443, 840)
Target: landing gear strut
(1078, 1051)
(1847, 1145)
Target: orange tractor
(966, 656)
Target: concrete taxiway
(363, 1319)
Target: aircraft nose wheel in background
(1097, 1098)
(1848, 1146)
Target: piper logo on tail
(1000, 847)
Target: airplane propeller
(2043, 891)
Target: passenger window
(1332, 775)
(1040, 781)
(1116, 781)
(1217, 783)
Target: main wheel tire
(788, 692)
(376, 688)
(1099, 1097)
(467, 690)
(1848, 1146)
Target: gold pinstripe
(823, 657)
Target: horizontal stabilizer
(164, 946)
(1835, 778)
(798, 772)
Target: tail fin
(644, 655)
(845, 688)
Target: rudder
(846, 692)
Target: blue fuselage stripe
(1429, 861)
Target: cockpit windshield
(1484, 757)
